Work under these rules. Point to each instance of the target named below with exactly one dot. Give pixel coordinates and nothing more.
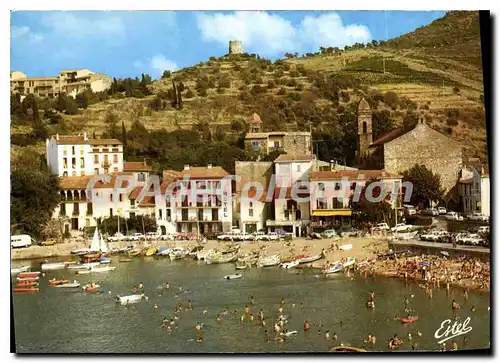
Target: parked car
(483, 229)
(381, 227)
(351, 232)
(168, 237)
(260, 236)
(442, 210)
(409, 210)
(48, 243)
(329, 233)
(471, 239)
(283, 233)
(136, 237)
(401, 227)
(454, 216)
(273, 236)
(430, 212)
(152, 236)
(21, 240)
(478, 217)
(117, 237)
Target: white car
(430, 212)
(472, 239)
(152, 236)
(483, 229)
(117, 237)
(478, 217)
(259, 236)
(442, 210)
(167, 237)
(136, 237)
(330, 233)
(381, 227)
(401, 227)
(454, 216)
(273, 236)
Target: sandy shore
(58, 250)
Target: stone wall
(297, 143)
(428, 147)
(253, 171)
(262, 145)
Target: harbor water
(56, 320)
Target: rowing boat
(267, 261)
(342, 348)
(55, 282)
(130, 299)
(53, 266)
(29, 274)
(337, 267)
(27, 283)
(17, 270)
(25, 289)
(70, 284)
(350, 261)
(27, 278)
(90, 288)
(232, 277)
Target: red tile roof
(204, 172)
(105, 142)
(112, 181)
(354, 174)
(147, 201)
(136, 166)
(391, 135)
(254, 119)
(293, 157)
(70, 140)
(74, 182)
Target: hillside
(434, 72)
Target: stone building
(235, 47)
(400, 149)
(266, 142)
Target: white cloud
(155, 65)
(271, 34)
(79, 26)
(25, 32)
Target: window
(65, 151)
(111, 212)
(132, 202)
(251, 204)
(89, 209)
(82, 173)
(111, 197)
(81, 151)
(63, 209)
(115, 158)
(255, 145)
(73, 150)
(73, 173)
(106, 159)
(298, 168)
(353, 186)
(337, 186)
(141, 177)
(250, 212)
(160, 213)
(82, 163)
(73, 163)
(96, 171)
(364, 128)
(121, 197)
(65, 174)
(65, 163)
(276, 145)
(321, 186)
(96, 159)
(106, 170)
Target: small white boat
(334, 269)
(350, 261)
(53, 266)
(81, 251)
(163, 251)
(83, 272)
(221, 258)
(232, 277)
(104, 260)
(267, 261)
(131, 299)
(79, 267)
(346, 247)
(178, 253)
(289, 333)
(102, 269)
(17, 270)
(70, 284)
(310, 258)
(290, 264)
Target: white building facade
(474, 190)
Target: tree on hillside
(111, 122)
(426, 185)
(16, 107)
(30, 108)
(34, 194)
(370, 212)
(166, 74)
(66, 104)
(382, 123)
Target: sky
(128, 43)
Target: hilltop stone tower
(363, 130)
(235, 47)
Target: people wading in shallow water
(454, 305)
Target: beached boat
(55, 282)
(291, 264)
(27, 283)
(79, 267)
(346, 247)
(201, 255)
(178, 253)
(342, 348)
(90, 288)
(102, 268)
(350, 261)
(130, 299)
(242, 265)
(232, 277)
(104, 260)
(151, 251)
(124, 260)
(17, 270)
(28, 278)
(83, 272)
(267, 261)
(163, 251)
(53, 266)
(312, 258)
(25, 289)
(337, 267)
(221, 258)
(80, 251)
(70, 284)
(134, 252)
(193, 252)
(29, 274)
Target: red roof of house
(112, 181)
(205, 172)
(136, 166)
(354, 174)
(70, 140)
(105, 142)
(391, 135)
(254, 119)
(74, 182)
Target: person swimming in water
(247, 309)
(473, 308)
(335, 337)
(282, 301)
(250, 317)
(218, 319)
(454, 305)
(190, 305)
(251, 300)
(260, 315)
(141, 285)
(307, 326)
(155, 307)
(327, 334)
(263, 322)
(198, 326)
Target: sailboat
(95, 247)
